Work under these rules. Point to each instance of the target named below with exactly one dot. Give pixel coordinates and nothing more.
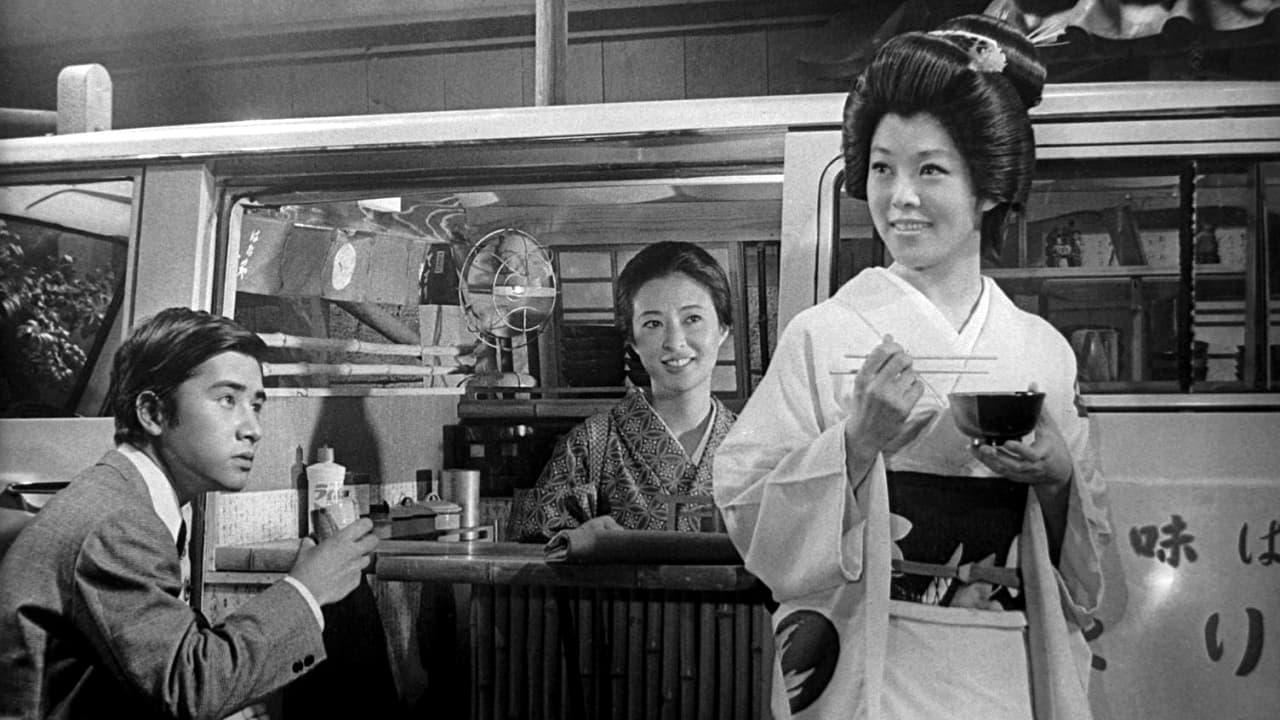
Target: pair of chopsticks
(951, 358)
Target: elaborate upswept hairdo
(162, 353)
(978, 76)
(668, 258)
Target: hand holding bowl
(996, 417)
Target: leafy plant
(51, 310)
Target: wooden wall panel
(263, 13)
(726, 65)
(243, 93)
(406, 84)
(528, 79)
(786, 75)
(330, 88)
(165, 96)
(646, 69)
(486, 78)
(585, 70)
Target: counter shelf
(572, 640)
(496, 563)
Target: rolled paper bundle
(641, 547)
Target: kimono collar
(931, 313)
(890, 304)
(651, 439)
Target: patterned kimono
(823, 542)
(621, 462)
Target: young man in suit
(92, 615)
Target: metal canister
(463, 487)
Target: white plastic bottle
(324, 483)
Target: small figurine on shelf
(1206, 245)
(1062, 246)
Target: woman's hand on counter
(332, 568)
(604, 522)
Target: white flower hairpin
(984, 54)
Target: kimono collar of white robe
(883, 307)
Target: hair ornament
(985, 55)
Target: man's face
(208, 445)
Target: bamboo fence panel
(688, 658)
(762, 666)
(647, 654)
(483, 621)
(635, 656)
(536, 655)
(741, 660)
(593, 649)
(618, 661)
(519, 626)
(554, 698)
(706, 660)
(501, 650)
(653, 656)
(724, 660)
(670, 695)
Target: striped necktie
(184, 562)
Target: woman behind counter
(673, 304)
(830, 478)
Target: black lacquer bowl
(996, 417)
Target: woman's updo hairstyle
(978, 76)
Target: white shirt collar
(163, 497)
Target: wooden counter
(488, 563)
(501, 633)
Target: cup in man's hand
(327, 520)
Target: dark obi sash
(982, 515)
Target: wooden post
(550, 47)
(84, 99)
(84, 105)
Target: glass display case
(355, 284)
(1161, 273)
(63, 253)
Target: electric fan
(507, 288)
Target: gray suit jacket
(91, 622)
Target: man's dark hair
(162, 353)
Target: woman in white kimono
(619, 469)
(830, 479)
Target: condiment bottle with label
(324, 483)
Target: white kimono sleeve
(780, 478)
(1088, 532)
